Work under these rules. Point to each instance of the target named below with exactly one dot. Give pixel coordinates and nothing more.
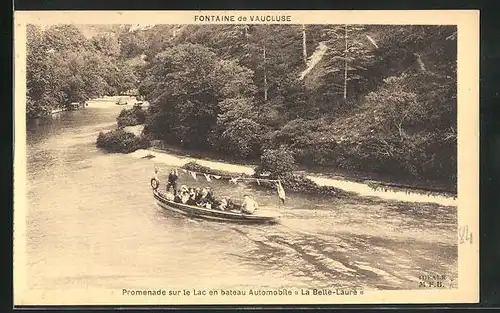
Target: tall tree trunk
(304, 46)
(345, 63)
(265, 75)
(245, 27)
(420, 62)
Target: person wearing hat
(172, 181)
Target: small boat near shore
(260, 217)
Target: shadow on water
(347, 260)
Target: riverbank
(368, 189)
(362, 185)
(373, 179)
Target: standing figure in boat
(249, 205)
(172, 181)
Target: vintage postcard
(246, 157)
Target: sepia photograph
(244, 158)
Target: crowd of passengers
(204, 197)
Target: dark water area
(92, 223)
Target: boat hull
(212, 214)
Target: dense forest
(65, 66)
(361, 98)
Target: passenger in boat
(204, 200)
(177, 196)
(191, 200)
(223, 204)
(198, 194)
(172, 181)
(202, 197)
(231, 205)
(192, 197)
(185, 197)
(210, 195)
(249, 205)
(184, 194)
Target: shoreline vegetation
(350, 188)
(373, 179)
(129, 137)
(367, 102)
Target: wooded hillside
(363, 98)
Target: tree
(304, 44)
(35, 66)
(378, 97)
(279, 162)
(65, 37)
(132, 43)
(187, 86)
(64, 66)
(349, 54)
(107, 44)
(241, 137)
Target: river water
(92, 223)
